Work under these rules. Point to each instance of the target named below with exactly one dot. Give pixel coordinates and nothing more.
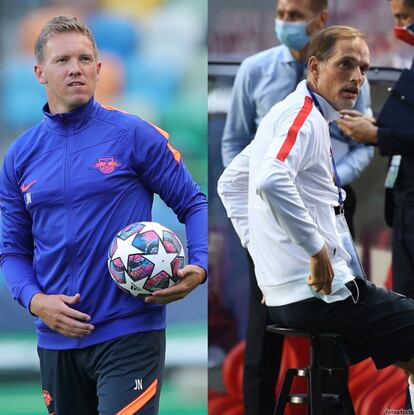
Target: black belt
(337, 209)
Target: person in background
(263, 80)
(397, 143)
(67, 186)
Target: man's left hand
(191, 276)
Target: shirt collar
(73, 120)
(328, 111)
(286, 55)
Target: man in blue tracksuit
(67, 186)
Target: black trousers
(379, 324)
(403, 250)
(122, 376)
(262, 355)
(263, 352)
(403, 256)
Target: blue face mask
(292, 34)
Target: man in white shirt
(281, 194)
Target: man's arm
(390, 141)
(276, 187)
(16, 259)
(393, 141)
(233, 189)
(240, 124)
(163, 172)
(275, 184)
(16, 241)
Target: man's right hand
(56, 313)
(359, 127)
(321, 272)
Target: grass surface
(23, 396)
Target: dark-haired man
(398, 143)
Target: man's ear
(40, 74)
(322, 19)
(314, 67)
(98, 70)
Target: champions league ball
(145, 257)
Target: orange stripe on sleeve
(142, 399)
(164, 133)
(160, 130)
(294, 129)
(175, 152)
(112, 108)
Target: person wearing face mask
(263, 80)
(398, 143)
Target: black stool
(314, 373)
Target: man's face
(339, 78)
(404, 15)
(297, 11)
(69, 71)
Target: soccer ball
(145, 257)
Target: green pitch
(179, 396)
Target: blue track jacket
(67, 186)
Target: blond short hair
(322, 46)
(61, 24)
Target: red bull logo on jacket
(106, 165)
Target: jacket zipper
(68, 248)
(72, 290)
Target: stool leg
(344, 392)
(315, 391)
(284, 392)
